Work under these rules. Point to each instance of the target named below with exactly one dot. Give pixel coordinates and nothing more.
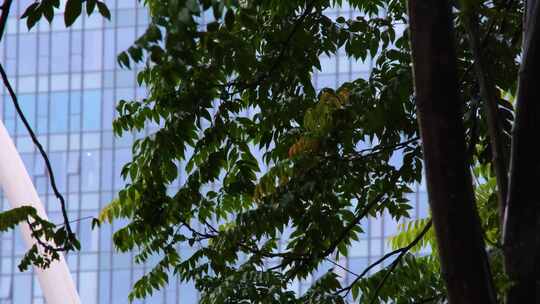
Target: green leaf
(136, 53)
(355, 290)
(95, 223)
(90, 6)
(123, 60)
(33, 18)
(229, 19)
(48, 12)
(232, 94)
(103, 10)
(11, 218)
(30, 10)
(72, 12)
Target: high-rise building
(67, 82)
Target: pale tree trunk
(464, 263)
(521, 229)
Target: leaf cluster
(44, 252)
(73, 9)
(276, 176)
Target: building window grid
(113, 177)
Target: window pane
(43, 45)
(92, 110)
(58, 163)
(89, 291)
(104, 286)
(125, 38)
(109, 50)
(76, 42)
(121, 286)
(21, 290)
(188, 293)
(90, 170)
(58, 142)
(27, 54)
(93, 41)
(28, 106)
(60, 51)
(106, 171)
(59, 112)
(126, 17)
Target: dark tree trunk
(521, 235)
(462, 254)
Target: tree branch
(464, 263)
(379, 149)
(402, 251)
(483, 42)
(431, 299)
(345, 231)
(71, 236)
(394, 264)
(342, 267)
(490, 98)
(522, 221)
(36, 142)
(262, 77)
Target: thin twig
(48, 247)
(3, 21)
(357, 220)
(36, 142)
(402, 251)
(483, 42)
(262, 77)
(379, 149)
(431, 299)
(398, 259)
(347, 229)
(341, 267)
(76, 220)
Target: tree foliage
(231, 80)
(276, 175)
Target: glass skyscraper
(68, 81)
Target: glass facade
(68, 82)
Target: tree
(226, 89)
(459, 238)
(522, 220)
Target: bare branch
(401, 251)
(393, 266)
(342, 267)
(36, 142)
(379, 149)
(3, 21)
